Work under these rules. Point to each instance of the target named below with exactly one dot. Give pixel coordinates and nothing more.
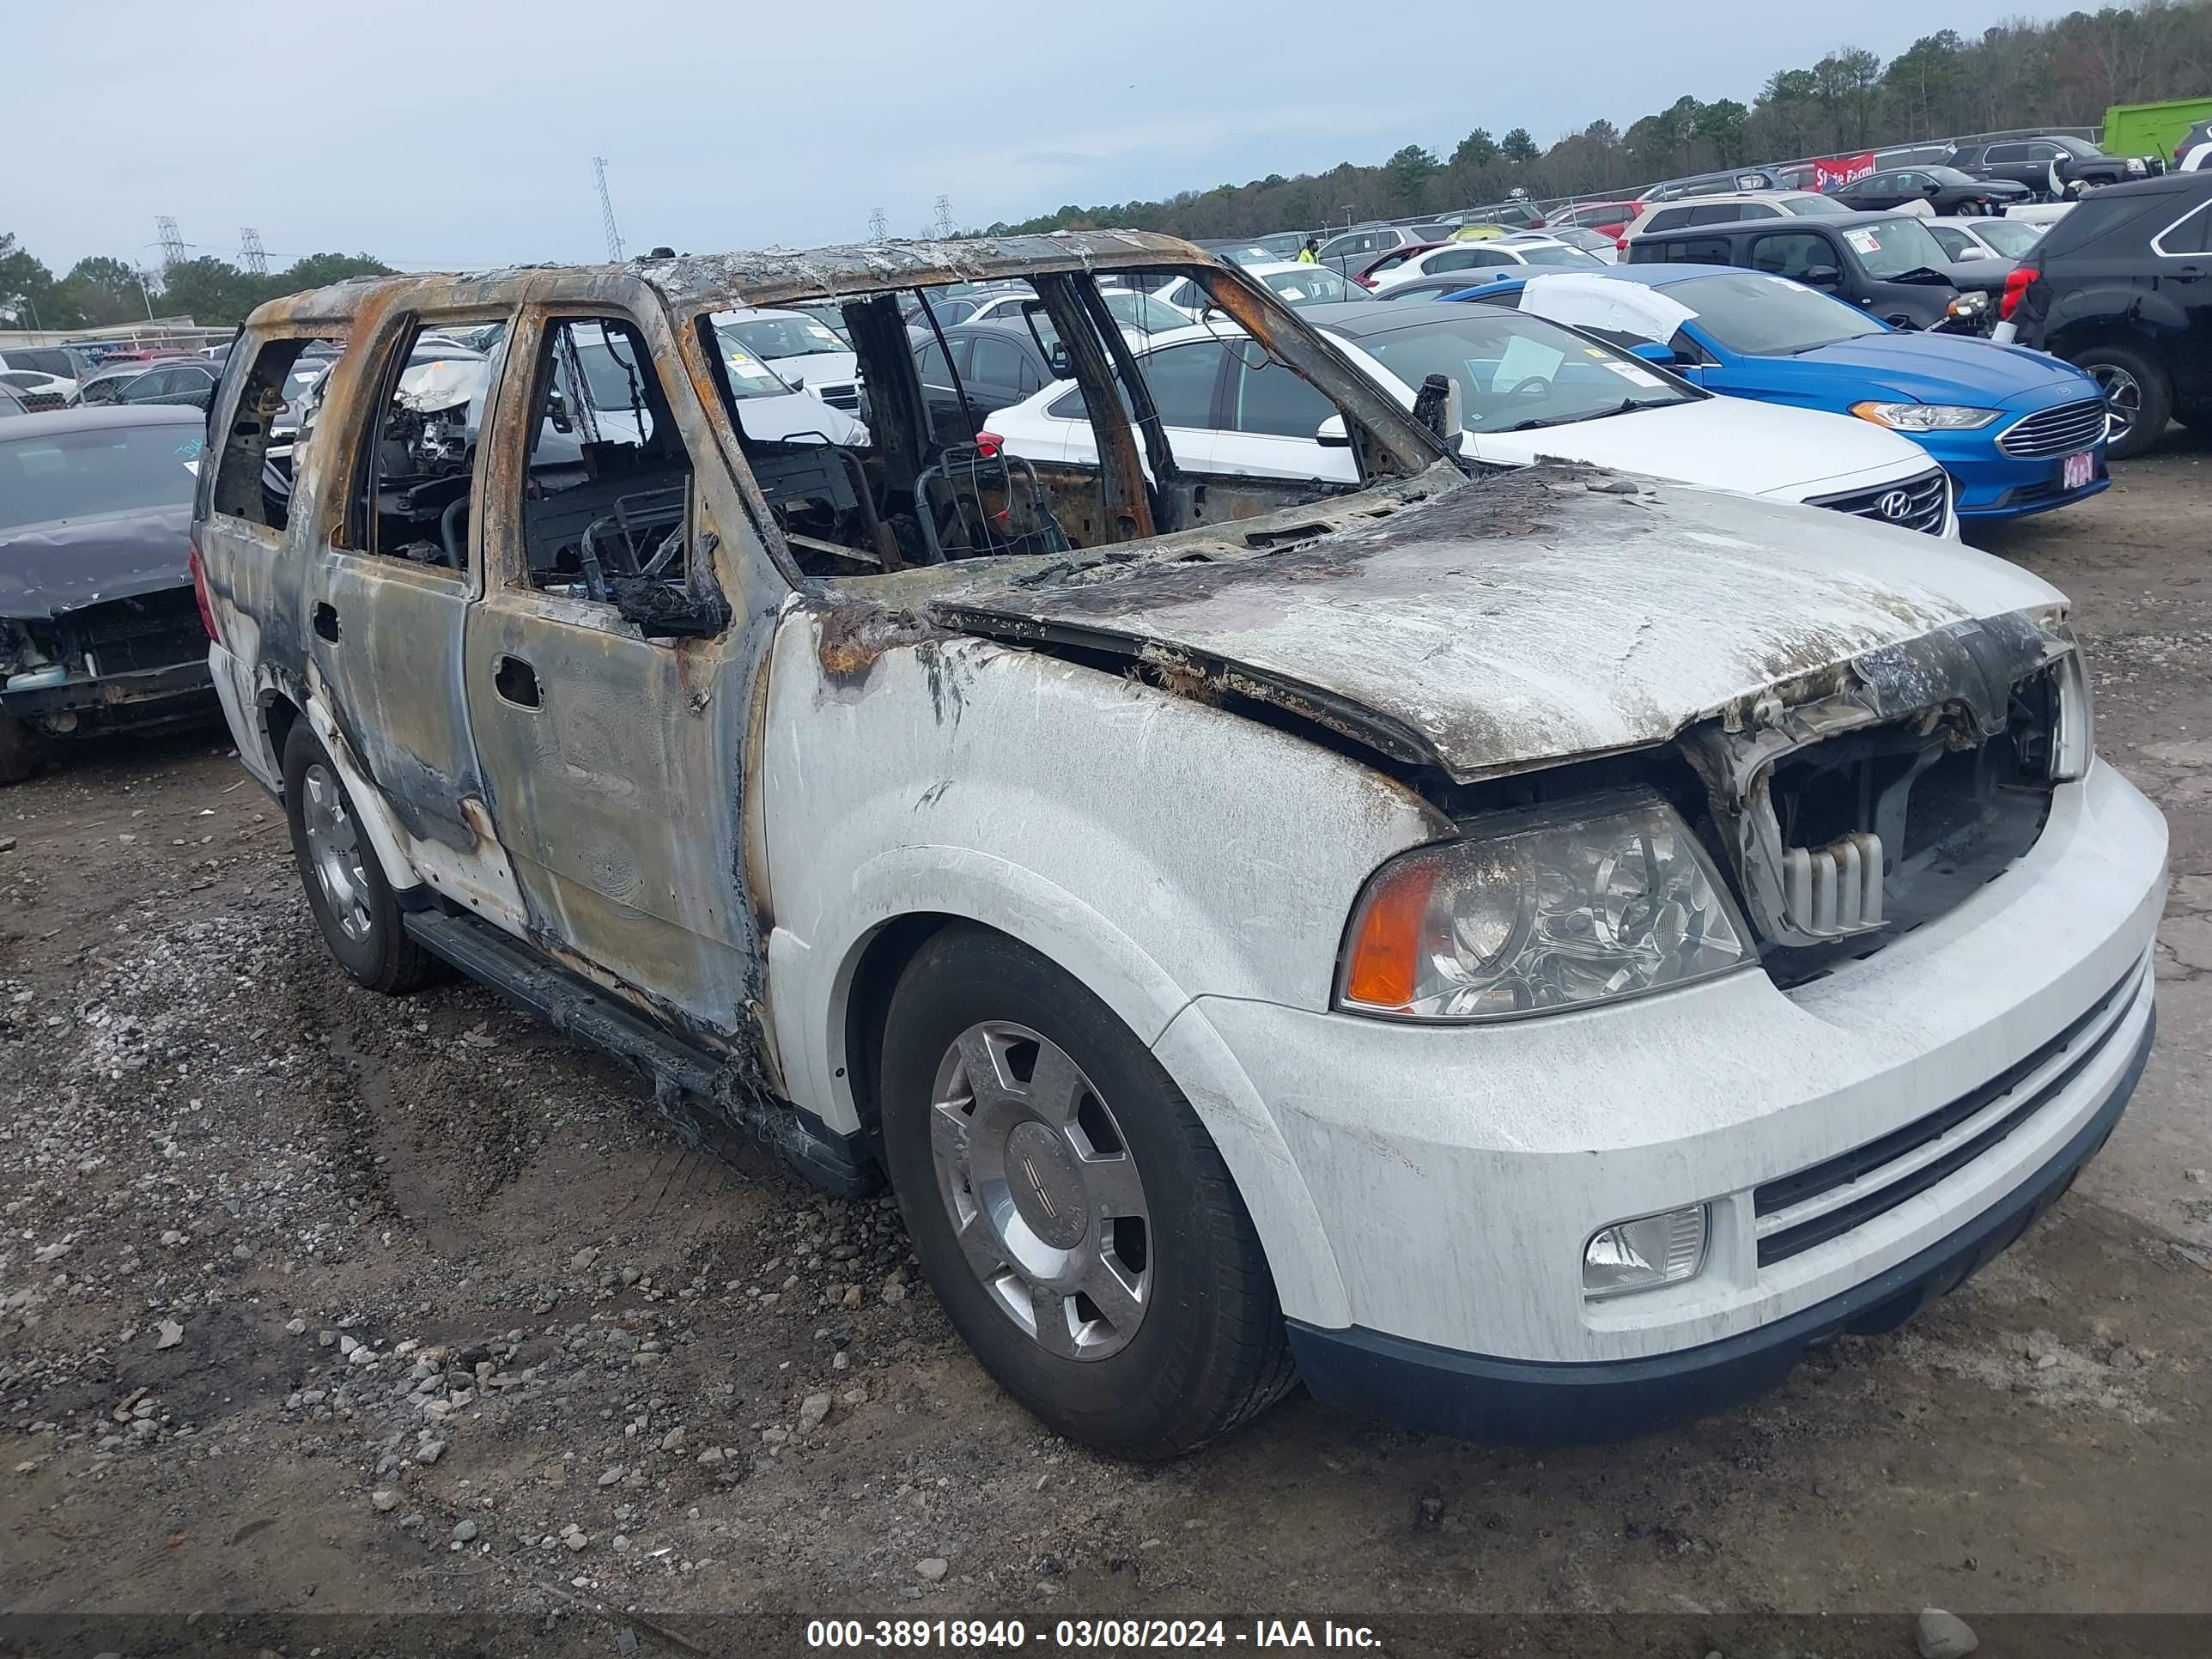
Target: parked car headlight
(2074, 745)
(1925, 417)
(1550, 909)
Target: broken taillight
(989, 444)
(2016, 285)
(199, 588)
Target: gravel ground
(314, 1302)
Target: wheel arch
(2143, 329)
(854, 994)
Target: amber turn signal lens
(1385, 947)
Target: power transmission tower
(173, 241)
(251, 250)
(944, 217)
(879, 227)
(607, 211)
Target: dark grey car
(188, 381)
(1889, 264)
(99, 626)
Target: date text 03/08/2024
(1113, 1635)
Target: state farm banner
(1837, 171)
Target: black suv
(2122, 286)
(2047, 165)
(1885, 263)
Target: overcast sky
(462, 135)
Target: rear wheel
(1072, 1215)
(352, 901)
(2138, 401)
(19, 750)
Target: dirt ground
(295, 1281)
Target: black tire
(381, 955)
(2154, 407)
(1209, 1351)
(20, 753)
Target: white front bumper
(1457, 1172)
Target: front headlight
(1925, 417)
(2074, 745)
(1555, 908)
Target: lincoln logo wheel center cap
(1041, 1177)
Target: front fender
(812, 999)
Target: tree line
(2061, 74)
(99, 291)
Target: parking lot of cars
(768, 676)
(236, 1141)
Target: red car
(1606, 218)
(1366, 274)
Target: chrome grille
(2068, 430)
(1916, 503)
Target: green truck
(2152, 129)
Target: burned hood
(1516, 621)
(46, 569)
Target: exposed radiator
(1834, 889)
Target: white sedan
(1528, 388)
(2006, 239)
(1484, 262)
(35, 388)
(1294, 282)
(802, 350)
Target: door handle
(516, 681)
(327, 622)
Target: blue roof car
(2018, 431)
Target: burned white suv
(1528, 951)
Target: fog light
(1645, 1254)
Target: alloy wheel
(2124, 398)
(334, 851)
(1041, 1189)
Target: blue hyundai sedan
(2018, 432)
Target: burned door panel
(614, 761)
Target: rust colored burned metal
(851, 637)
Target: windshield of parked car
(302, 380)
(1142, 311)
(610, 379)
(2008, 236)
(1517, 372)
(75, 475)
(1311, 285)
(1763, 316)
(1890, 247)
(774, 338)
(1546, 254)
(1814, 207)
(749, 376)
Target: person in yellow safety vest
(1311, 253)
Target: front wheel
(2138, 401)
(1070, 1211)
